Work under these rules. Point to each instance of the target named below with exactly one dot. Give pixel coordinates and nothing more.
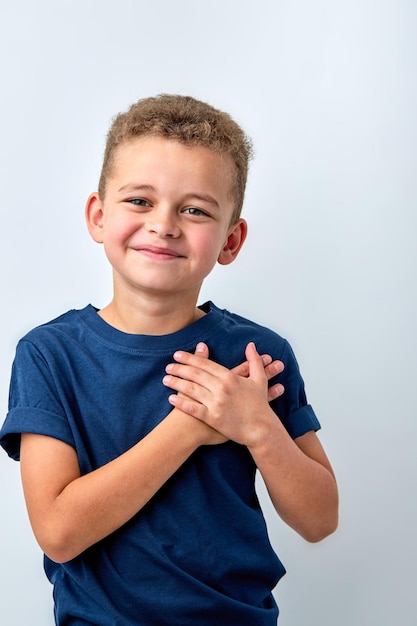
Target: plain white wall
(327, 90)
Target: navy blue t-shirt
(198, 553)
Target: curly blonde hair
(189, 121)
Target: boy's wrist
(268, 426)
(193, 431)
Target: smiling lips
(156, 252)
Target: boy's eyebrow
(198, 195)
(136, 187)
(205, 197)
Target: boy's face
(165, 217)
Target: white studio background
(327, 90)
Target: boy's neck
(150, 318)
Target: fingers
(188, 380)
(257, 370)
(243, 368)
(179, 374)
(197, 361)
(186, 404)
(201, 349)
(275, 391)
(225, 401)
(273, 369)
(256, 366)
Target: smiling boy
(140, 426)
(165, 219)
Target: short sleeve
(296, 414)
(34, 403)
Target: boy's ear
(234, 242)
(94, 217)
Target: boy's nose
(163, 223)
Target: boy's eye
(192, 210)
(138, 202)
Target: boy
(140, 426)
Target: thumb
(202, 350)
(256, 366)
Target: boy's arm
(297, 473)
(300, 482)
(70, 512)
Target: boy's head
(188, 121)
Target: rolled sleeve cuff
(31, 420)
(302, 421)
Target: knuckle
(192, 409)
(192, 388)
(226, 382)
(201, 361)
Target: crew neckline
(185, 337)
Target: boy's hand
(272, 368)
(208, 436)
(233, 404)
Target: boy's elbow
(326, 518)
(315, 533)
(59, 547)
(60, 554)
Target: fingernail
(200, 347)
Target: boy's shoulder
(66, 324)
(239, 330)
(239, 322)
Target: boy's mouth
(158, 252)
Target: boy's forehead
(150, 149)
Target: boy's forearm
(92, 506)
(302, 488)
